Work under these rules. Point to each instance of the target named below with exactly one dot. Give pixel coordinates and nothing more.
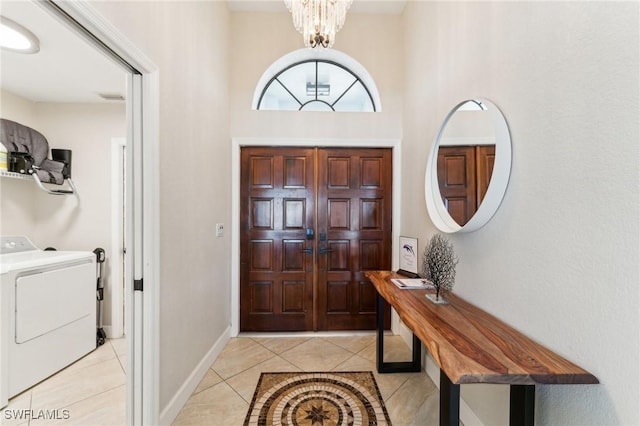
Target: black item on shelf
(63, 156)
(20, 162)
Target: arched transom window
(316, 84)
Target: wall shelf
(5, 173)
(34, 178)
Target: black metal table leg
(449, 402)
(413, 366)
(522, 401)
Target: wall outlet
(219, 229)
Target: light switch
(219, 229)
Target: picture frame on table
(408, 257)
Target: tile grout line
(121, 365)
(242, 371)
(93, 396)
(30, 405)
(237, 393)
(288, 349)
(397, 389)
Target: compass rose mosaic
(317, 399)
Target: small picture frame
(408, 257)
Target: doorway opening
(141, 189)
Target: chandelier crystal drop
(318, 20)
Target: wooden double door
(464, 173)
(312, 221)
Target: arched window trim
(317, 100)
(331, 56)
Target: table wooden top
(472, 346)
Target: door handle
(308, 250)
(324, 250)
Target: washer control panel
(18, 244)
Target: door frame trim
(118, 261)
(238, 143)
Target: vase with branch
(439, 266)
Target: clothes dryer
(47, 312)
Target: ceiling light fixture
(320, 89)
(318, 20)
(16, 38)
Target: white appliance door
(47, 301)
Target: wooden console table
(471, 346)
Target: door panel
(276, 271)
(485, 158)
(354, 229)
(294, 281)
(456, 178)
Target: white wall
(188, 41)
(559, 261)
(259, 39)
(17, 201)
(67, 222)
(16, 108)
(83, 222)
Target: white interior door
(134, 258)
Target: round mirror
(468, 168)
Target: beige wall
(259, 39)
(87, 129)
(67, 222)
(559, 261)
(17, 200)
(16, 108)
(188, 41)
(83, 222)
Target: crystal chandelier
(318, 20)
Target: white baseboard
(171, 411)
(108, 330)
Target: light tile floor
(90, 391)
(93, 388)
(224, 394)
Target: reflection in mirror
(462, 170)
(465, 160)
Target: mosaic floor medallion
(317, 399)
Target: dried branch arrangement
(439, 264)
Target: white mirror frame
(497, 186)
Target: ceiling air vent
(111, 96)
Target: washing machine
(47, 312)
